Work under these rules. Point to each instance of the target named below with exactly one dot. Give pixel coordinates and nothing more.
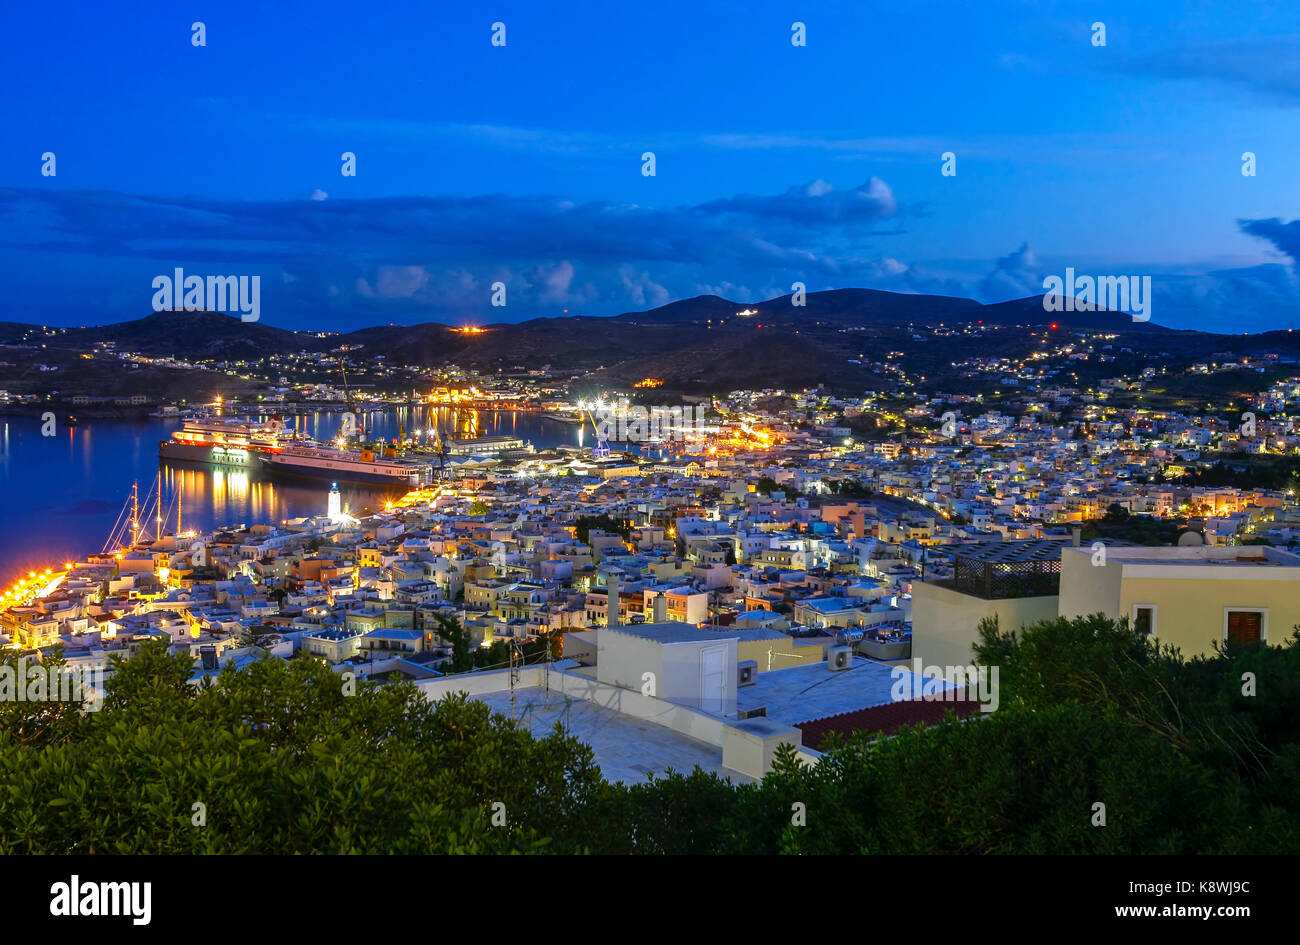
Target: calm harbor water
(62, 494)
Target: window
(1245, 624)
(1144, 619)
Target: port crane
(601, 449)
(440, 446)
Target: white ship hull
(346, 466)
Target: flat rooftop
(671, 632)
(1206, 556)
(627, 749)
(803, 693)
(689, 633)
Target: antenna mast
(512, 681)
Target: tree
(1198, 705)
(35, 722)
(605, 523)
(1015, 782)
(289, 757)
(478, 508)
(279, 758)
(450, 630)
(1116, 514)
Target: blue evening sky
(522, 164)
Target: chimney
(611, 590)
(661, 608)
(1076, 531)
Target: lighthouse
(335, 508)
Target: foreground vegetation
(281, 758)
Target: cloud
(1285, 237)
(400, 282)
(340, 263)
(1268, 67)
(541, 140)
(815, 203)
(436, 257)
(1014, 276)
(1256, 298)
(553, 282)
(1247, 298)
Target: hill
(195, 336)
(707, 342)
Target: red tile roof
(886, 719)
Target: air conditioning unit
(754, 713)
(746, 673)
(839, 658)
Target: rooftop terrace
(801, 693)
(627, 749)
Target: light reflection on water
(60, 495)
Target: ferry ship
(354, 466)
(225, 442)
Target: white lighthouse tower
(335, 508)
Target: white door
(713, 678)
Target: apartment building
(1014, 581)
(1188, 597)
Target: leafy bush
(284, 760)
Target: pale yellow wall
(1189, 613)
(945, 622)
(1089, 588)
(1189, 596)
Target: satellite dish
(1190, 540)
